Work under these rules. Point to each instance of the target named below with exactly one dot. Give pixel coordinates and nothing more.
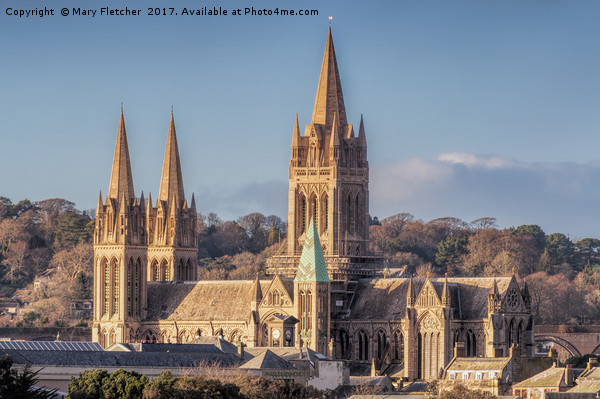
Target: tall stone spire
(329, 91)
(171, 182)
(312, 266)
(121, 180)
(296, 134)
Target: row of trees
(99, 384)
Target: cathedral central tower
(329, 172)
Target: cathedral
(324, 292)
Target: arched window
(348, 214)
(398, 346)
(115, 289)
(155, 271)
(182, 274)
(105, 286)
(325, 213)
(471, 344)
(314, 210)
(344, 344)
(130, 287)
(356, 214)
(190, 271)
(102, 338)
(363, 345)
(303, 214)
(164, 271)
(137, 287)
(112, 338)
(381, 343)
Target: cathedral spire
(121, 180)
(312, 263)
(329, 97)
(171, 182)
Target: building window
(478, 376)
(492, 375)
(452, 376)
(465, 376)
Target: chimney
(240, 349)
(569, 375)
(592, 362)
(553, 353)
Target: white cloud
(558, 196)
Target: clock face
(512, 298)
(276, 333)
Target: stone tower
(329, 182)
(119, 254)
(329, 172)
(312, 293)
(172, 240)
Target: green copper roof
(312, 263)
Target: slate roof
(591, 386)
(285, 352)
(478, 364)
(202, 300)
(119, 359)
(266, 360)
(378, 299)
(550, 378)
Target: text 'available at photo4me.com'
(17, 11)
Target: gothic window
(182, 275)
(471, 344)
(308, 310)
(155, 271)
(520, 337)
(102, 338)
(303, 219)
(112, 338)
(325, 212)
(190, 272)
(398, 346)
(348, 212)
(130, 287)
(137, 288)
(363, 345)
(115, 272)
(356, 215)
(314, 210)
(344, 344)
(381, 343)
(106, 286)
(164, 271)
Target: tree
(71, 230)
(450, 252)
(560, 250)
(15, 385)
(587, 248)
(483, 223)
(99, 384)
(532, 230)
(462, 392)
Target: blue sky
(472, 108)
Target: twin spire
(171, 182)
(121, 180)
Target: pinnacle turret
(296, 134)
